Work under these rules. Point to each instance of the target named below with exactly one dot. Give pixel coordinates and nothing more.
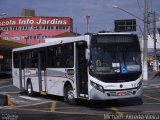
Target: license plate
(121, 93)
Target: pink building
(33, 30)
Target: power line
(139, 6)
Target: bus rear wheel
(29, 89)
(69, 95)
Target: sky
(101, 12)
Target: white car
(151, 63)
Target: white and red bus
(104, 66)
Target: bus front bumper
(115, 94)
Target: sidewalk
(153, 79)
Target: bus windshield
(117, 59)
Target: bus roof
(115, 33)
(55, 41)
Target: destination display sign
(114, 39)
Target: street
(49, 107)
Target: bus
(103, 66)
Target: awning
(6, 46)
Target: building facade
(151, 43)
(34, 29)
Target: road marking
(30, 104)
(6, 86)
(151, 103)
(1, 82)
(151, 97)
(10, 101)
(150, 90)
(150, 86)
(154, 111)
(10, 92)
(69, 113)
(158, 97)
(115, 110)
(29, 98)
(53, 107)
(59, 108)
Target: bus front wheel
(29, 89)
(69, 95)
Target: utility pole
(145, 42)
(145, 37)
(155, 67)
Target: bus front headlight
(139, 85)
(97, 86)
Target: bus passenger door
(21, 70)
(42, 70)
(81, 69)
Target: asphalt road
(49, 107)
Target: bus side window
(34, 59)
(22, 59)
(59, 56)
(51, 56)
(69, 55)
(15, 59)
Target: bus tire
(29, 89)
(140, 101)
(69, 95)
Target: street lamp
(88, 17)
(115, 6)
(145, 36)
(3, 14)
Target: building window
(43, 37)
(7, 38)
(36, 27)
(15, 28)
(36, 37)
(6, 28)
(62, 27)
(26, 28)
(52, 27)
(46, 27)
(26, 37)
(16, 38)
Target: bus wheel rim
(29, 88)
(70, 95)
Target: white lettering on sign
(54, 21)
(32, 21)
(9, 22)
(25, 22)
